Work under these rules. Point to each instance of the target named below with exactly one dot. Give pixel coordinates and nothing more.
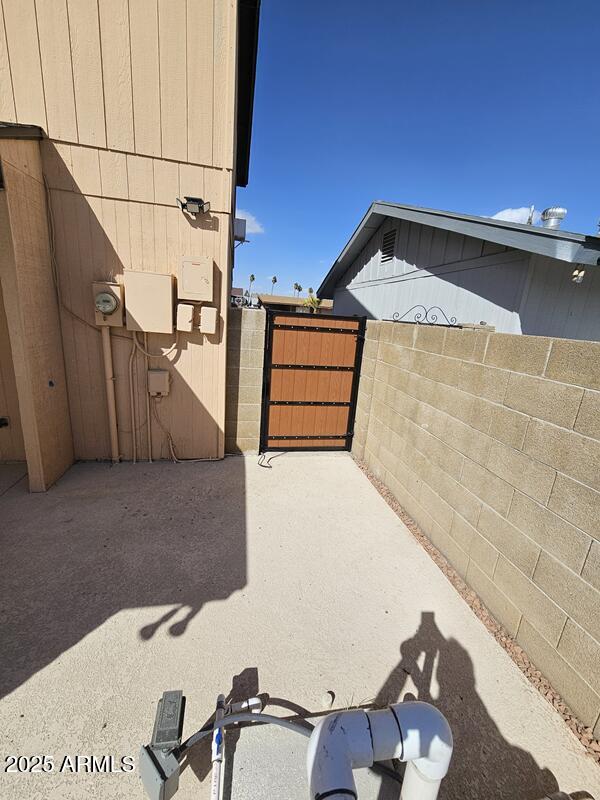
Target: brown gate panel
(312, 365)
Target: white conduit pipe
(110, 394)
(414, 732)
(148, 422)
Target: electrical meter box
(148, 302)
(108, 303)
(195, 279)
(208, 319)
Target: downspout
(414, 732)
(110, 394)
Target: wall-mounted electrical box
(195, 279)
(148, 301)
(208, 319)
(108, 303)
(158, 382)
(185, 317)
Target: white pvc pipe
(110, 394)
(414, 731)
(217, 750)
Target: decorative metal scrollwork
(426, 316)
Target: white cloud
(252, 224)
(517, 215)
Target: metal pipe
(110, 394)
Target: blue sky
(462, 105)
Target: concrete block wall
(491, 442)
(245, 354)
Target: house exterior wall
(245, 357)
(32, 315)
(491, 442)
(553, 305)
(138, 101)
(12, 447)
(472, 280)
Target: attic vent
(388, 246)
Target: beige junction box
(148, 301)
(195, 279)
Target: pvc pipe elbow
(338, 744)
(413, 731)
(426, 738)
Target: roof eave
(248, 15)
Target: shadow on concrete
(484, 763)
(112, 539)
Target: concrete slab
(124, 581)
(11, 474)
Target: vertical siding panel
(148, 233)
(224, 64)
(135, 235)
(7, 100)
(143, 17)
(160, 240)
(191, 180)
(123, 237)
(110, 265)
(140, 176)
(86, 169)
(24, 55)
(200, 80)
(87, 71)
(99, 255)
(116, 68)
(113, 174)
(173, 78)
(55, 51)
(166, 182)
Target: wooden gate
(310, 381)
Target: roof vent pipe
(553, 216)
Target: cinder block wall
(245, 354)
(491, 442)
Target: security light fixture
(193, 205)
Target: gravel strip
(518, 655)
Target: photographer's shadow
(484, 764)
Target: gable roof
(556, 243)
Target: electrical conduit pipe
(110, 394)
(414, 732)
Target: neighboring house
(277, 302)
(403, 261)
(112, 111)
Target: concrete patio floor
(124, 581)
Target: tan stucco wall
(138, 102)
(12, 447)
(32, 315)
(245, 355)
(491, 442)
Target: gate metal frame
(266, 402)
